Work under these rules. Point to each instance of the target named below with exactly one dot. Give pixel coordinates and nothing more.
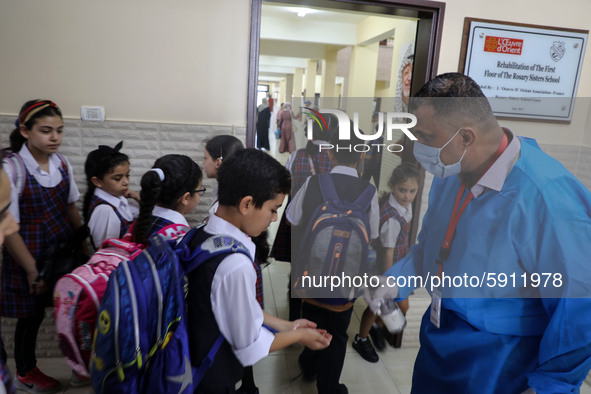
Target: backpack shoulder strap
(130, 247)
(219, 244)
(213, 246)
(63, 160)
(366, 196)
(311, 163)
(207, 361)
(173, 231)
(327, 188)
(17, 167)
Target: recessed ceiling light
(302, 12)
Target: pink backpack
(77, 297)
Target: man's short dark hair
(453, 95)
(251, 172)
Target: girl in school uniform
(171, 189)
(43, 202)
(107, 212)
(395, 219)
(217, 149)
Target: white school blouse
(104, 222)
(45, 179)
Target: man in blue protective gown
(509, 228)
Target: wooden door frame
(429, 15)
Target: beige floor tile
(361, 376)
(404, 389)
(271, 375)
(399, 363)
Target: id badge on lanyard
(435, 313)
(436, 295)
(436, 308)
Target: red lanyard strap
(453, 222)
(457, 214)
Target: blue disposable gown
(497, 339)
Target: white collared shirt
(103, 222)
(170, 214)
(494, 178)
(390, 230)
(214, 206)
(233, 298)
(45, 179)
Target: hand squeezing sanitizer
(392, 316)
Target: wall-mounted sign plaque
(526, 71)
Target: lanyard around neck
(457, 213)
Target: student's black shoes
(377, 337)
(395, 340)
(365, 349)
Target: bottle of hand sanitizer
(392, 316)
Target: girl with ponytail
(106, 210)
(171, 189)
(43, 201)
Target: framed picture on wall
(526, 71)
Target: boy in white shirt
(222, 294)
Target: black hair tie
(108, 150)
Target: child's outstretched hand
(133, 194)
(302, 323)
(315, 339)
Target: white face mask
(430, 159)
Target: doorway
(347, 54)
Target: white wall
(180, 61)
(572, 14)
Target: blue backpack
(141, 342)
(334, 246)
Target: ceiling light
(302, 12)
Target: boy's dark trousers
(327, 363)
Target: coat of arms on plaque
(557, 50)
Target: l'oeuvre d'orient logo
(510, 46)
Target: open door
(344, 54)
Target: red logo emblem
(510, 46)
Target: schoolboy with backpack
(335, 216)
(221, 297)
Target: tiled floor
(392, 374)
(279, 372)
